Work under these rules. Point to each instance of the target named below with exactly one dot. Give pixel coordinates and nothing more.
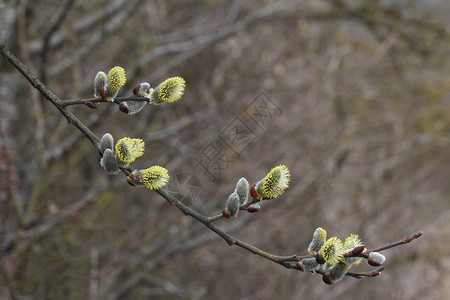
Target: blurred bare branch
(363, 89)
(48, 33)
(112, 25)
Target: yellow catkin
(155, 177)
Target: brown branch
(71, 140)
(227, 237)
(199, 217)
(365, 274)
(286, 261)
(117, 100)
(49, 95)
(406, 240)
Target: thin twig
(242, 207)
(365, 274)
(215, 218)
(108, 27)
(227, 237)
(190, 212)
(406, 240)
(79, 27)
(66, 103)
(50, 30)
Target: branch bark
(49, 95)
(286, 261)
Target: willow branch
(199, 217)
(117, 100)
(365, 274)
(403, 241)
(227, 237)
(49, 95)
(286, 261)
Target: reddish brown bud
(253, 209)
(373, 263)
(253, 192)
(412, 237)
(327, 279)
(131, 176)
(375, 259)
(299, 266)
(103, 93)
(409, 239)
(130, 181)
(100, 153)
(136, 89)
(319, 259)
(357, 250)
(226, 214)
(374, 273)
(123, 107)
(91, 104)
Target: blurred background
(353, 96)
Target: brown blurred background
(359, 92)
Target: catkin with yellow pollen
(169, 90)
(116, 79)
(155, 177)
